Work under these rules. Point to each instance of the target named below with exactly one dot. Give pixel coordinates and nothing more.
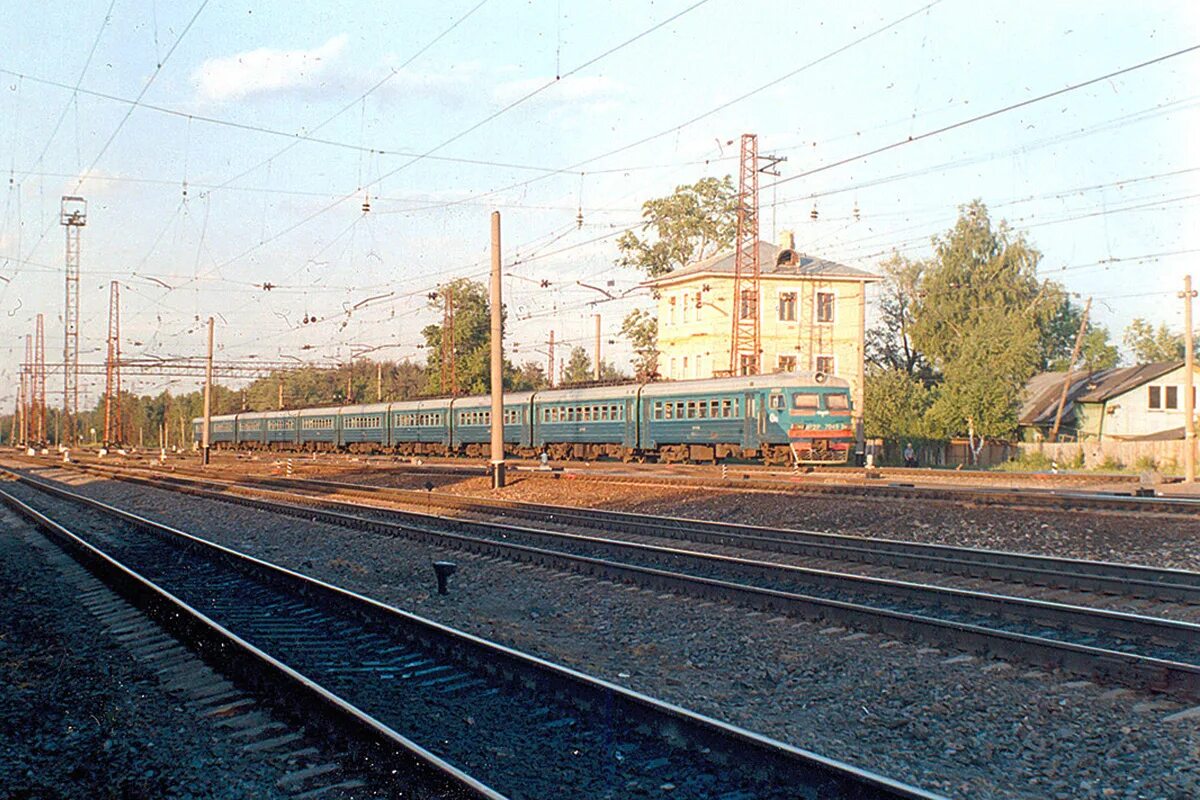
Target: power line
(305, 220)
(984, 116)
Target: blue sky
(1107, 172)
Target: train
(777, 418)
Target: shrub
(1145, 464)
(1076, 461)
(1111, 464)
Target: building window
(787, 306)
(748, 306)
(825, 303)
(1156, 397)
(826, 364)
(687, 307)
(674, 374)
(748, 365)
(671, 313)
(699, 373)
(685, 360)
(1172, 397)
(786, 364)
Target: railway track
(1137, 649)
(1115, 579)
(471, 718)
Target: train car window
(669, 409)
(658, 409)
(806, 401)
(691, 409)
(776, 401)
(604, 413)
(702, 409)
(679, 410)
(837, 402)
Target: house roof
(1119, 380)
(1043, 390)
(796, 265)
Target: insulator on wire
(813, 214)
(857, 215)
(366, 204)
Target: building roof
(1120, 380)
(1043, 390)
(798, 265)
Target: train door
(751, 434)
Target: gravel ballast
(82, 717)
(964, 726)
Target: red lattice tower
(746, 344)
(448, 365)
(112, 370)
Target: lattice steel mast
(72, 216)
(113, 434)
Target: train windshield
(806, 401)
(837, 402)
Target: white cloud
(266, 70)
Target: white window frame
(795, 359)
(817, 363)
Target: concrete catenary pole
(1189, 388)
(497, 361)
(596, 368)
(206, 426)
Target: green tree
(578, 368)
(895, 404)
(1058, 340)
(978, 319)
(529, 377)
(1150, 344)
(889, 344)
(472, 339)
(694, 222)
(641, 329)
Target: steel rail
(1152, 672)
(1094, 576)
(250, 665)
(1100, 576)
(768, 762)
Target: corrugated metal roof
(798, 266)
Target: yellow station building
(812, 316)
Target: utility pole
(379, 382)
(1189, 385)
(281, 394)
(206, 426)
(349, 399)
(73, 217)
(550, 362)
(1066, 387)
(27, 392)
(39, 382)
(596, 369)
(497, 361)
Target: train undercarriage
(820, 451)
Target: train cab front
(820, 429)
